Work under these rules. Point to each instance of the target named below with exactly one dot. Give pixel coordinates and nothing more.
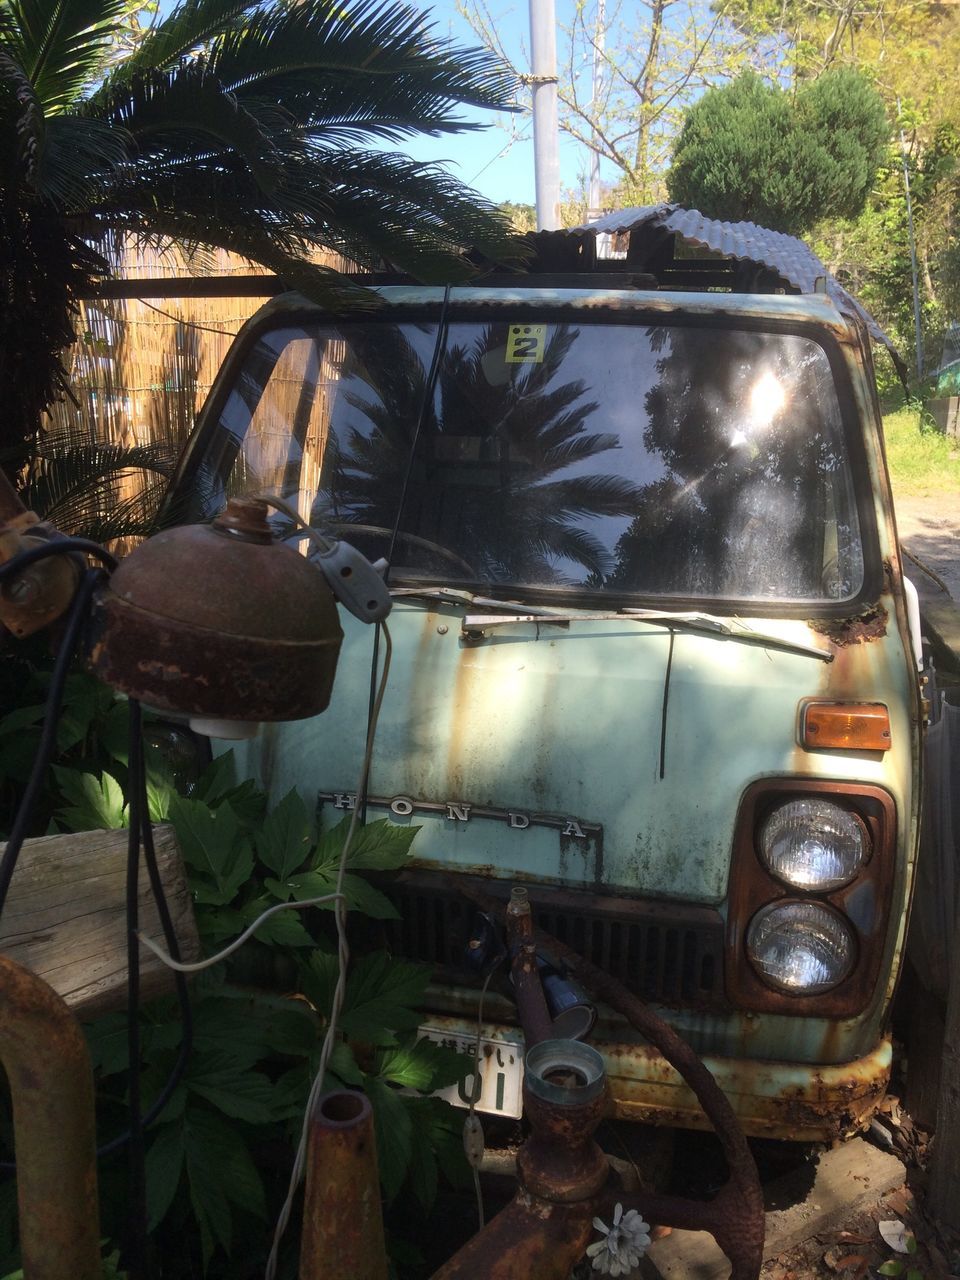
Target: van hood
(593, 753)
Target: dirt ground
(929, 530)
(860, 1252)
(891, 1237)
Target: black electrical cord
(180, 981)
(135, 1251)
(56, 547)
(426, 400)
(76, 620)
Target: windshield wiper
(456, 595)
(475, 626)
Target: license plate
(501, 1073)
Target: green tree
(750, 152)
(242, 124)
(77, 484)
(911, 53)
(523, 217)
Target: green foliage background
(219, 1155)
(751, 152)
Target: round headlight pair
(815, 846)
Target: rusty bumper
(801, 1102)
(794, 1101)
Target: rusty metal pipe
(48, 1067)
(528, 988)
(735, 1217)
(545, 1229)
(342, 1218)
(531, 1237)
(42, 592)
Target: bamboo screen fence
(141, 369)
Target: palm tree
(97, 489)
(242, 124)
(525, 516)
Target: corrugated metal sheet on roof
(794, 261)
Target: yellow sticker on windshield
(526, 343)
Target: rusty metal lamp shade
(219, 623)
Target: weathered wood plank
(65, 916)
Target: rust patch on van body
(770, 1099)
(863, 627)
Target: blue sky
(497, 161)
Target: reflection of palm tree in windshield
(497, 475)
(732, 516)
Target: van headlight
(801, 948)
(812, 844)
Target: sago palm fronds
(255, 127)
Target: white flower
(625, 1243)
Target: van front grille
(662, 952)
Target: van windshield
(614, 461)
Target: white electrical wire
(199, 965)
(316, 1088)
(471, 1123)
(281, 504)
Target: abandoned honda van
(654, 658)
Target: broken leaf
(897, 1236)
(900, 1201)
(856, 1262)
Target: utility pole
(543, 80)
(593, 198)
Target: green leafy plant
(91, 739)
(219, 1154)
(255, 1052)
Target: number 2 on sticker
(526, 343)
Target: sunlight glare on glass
(767, 399)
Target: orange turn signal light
(844, 726)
